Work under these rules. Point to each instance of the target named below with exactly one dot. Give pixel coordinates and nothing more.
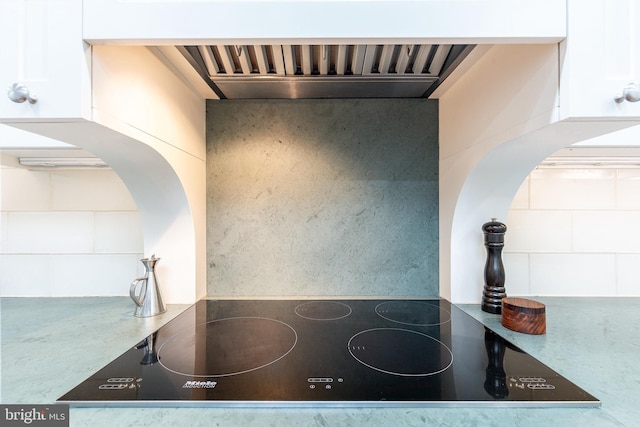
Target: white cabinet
(599, 58)
(42, 47)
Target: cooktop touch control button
(532, 380)
(112, 386)
(120, 380)
(320, 380)
(541, 386)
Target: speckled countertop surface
(50, 345)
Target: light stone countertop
(49, 345)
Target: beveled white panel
(538, 231)
(628, 189)
(90, 190)
(628, 275)
(573, 274)
(4, 221)
(606, 231)
(572, 189)
(118, 232)
(516, 271)
(50, 232)
(93, 274)
(25, 275)
(521, 198)
(24, 190)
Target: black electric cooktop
(326, 353)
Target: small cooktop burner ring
(268, 340)
(323, 310)
(413, 313)
(397, 352)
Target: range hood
(324, 71)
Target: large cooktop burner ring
(397, 352)
(232, 346)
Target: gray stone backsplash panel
(322, 197)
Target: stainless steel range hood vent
(324, 71)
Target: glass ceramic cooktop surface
(326, 353)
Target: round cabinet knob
(20, 93)
(631, 93)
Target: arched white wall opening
(575, 222)
(498, 121)
(165, 212)
(148, 124)
(488, 190)
(74, 229)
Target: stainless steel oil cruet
(144, 291)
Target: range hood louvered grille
(323, 60)
(325, 71)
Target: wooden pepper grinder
(493, 270)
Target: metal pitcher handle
(132, 291)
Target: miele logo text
(38, 415)
(200, 384)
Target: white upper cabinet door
(600, 57)
(42, 49)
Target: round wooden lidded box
(524, 315)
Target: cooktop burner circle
(323, 310)
(415, 313)
(226, 347)
(401, 352)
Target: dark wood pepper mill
(493, 270)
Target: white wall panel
(23, 190)
(628, 275)
(4, 218)
(93, 275)
(90, 191)
(50, 232)
(573, 274)
(25, 275)
(606, 231)
(572, 189)
(521, 198)
(628, 189)
(517, 279)
(538, 231)
(118, 232)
